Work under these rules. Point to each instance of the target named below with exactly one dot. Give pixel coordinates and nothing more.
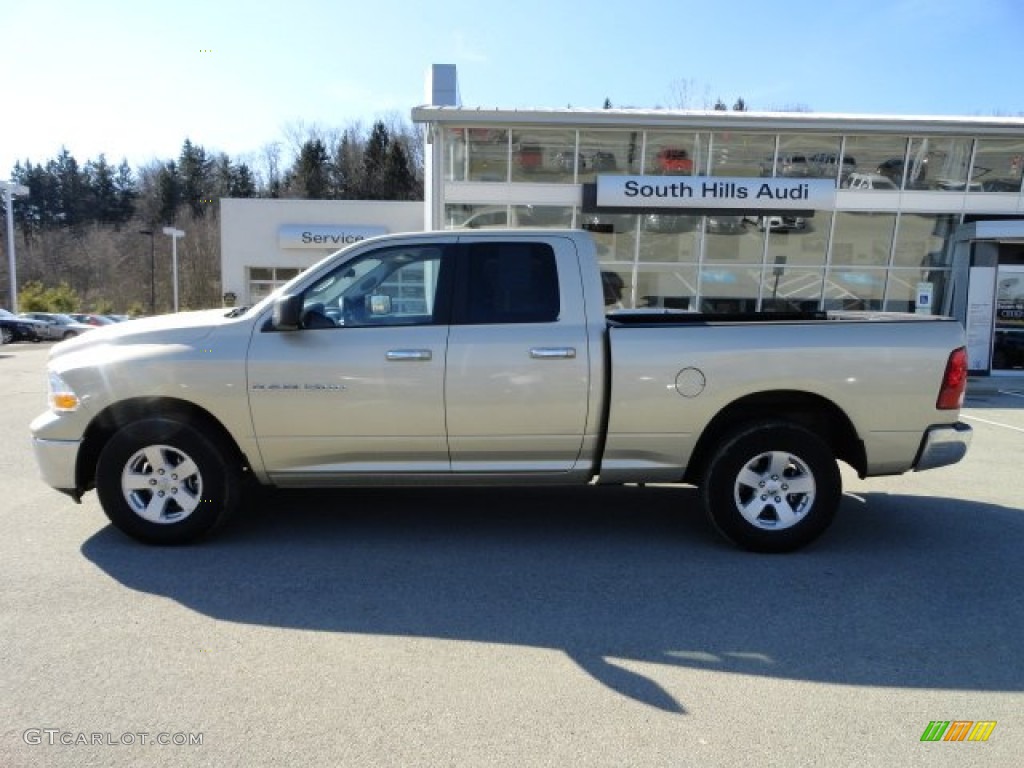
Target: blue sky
(133, 79)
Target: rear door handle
(552, 353)
(403, 355)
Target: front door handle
(552, 353)
(403, 355)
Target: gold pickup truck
(487, 358)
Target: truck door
(359, 389)
(517, 379)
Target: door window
(393, 286)
(508, 283)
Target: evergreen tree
(102, 197)
(374, 161)
(309, 176)
(194, 172)
(127, 191)
(347, 166)
(72, 189)
(168, 191)
(399, 183)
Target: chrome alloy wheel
(162, 484)
(774, 490)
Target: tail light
(954, 381)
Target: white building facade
(265, 243)
(737, 211)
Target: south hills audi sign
(714, 193)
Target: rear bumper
(942, 446)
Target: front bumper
(57, 460)
(942, 446)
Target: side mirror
(378, 304)
(287, 313)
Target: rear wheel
(163, 481)
(772, 486)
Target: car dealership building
(719, 211)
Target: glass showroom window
(847, 288)
(998, 165)
(675, 154)
(541, 216)
(862, 239)
(921, 240)
(731, 239)
(939, 163)
(603, 152)
(614, 236)
(873, 162)
(740, 154)
(785, 288)
(669, 237)
(476, 216)
(804, 155)
(901, 292)
(800, 241)
(729, 289)
(669, 248)
(265, 280)
(540, 155)
(475, 154)
(672, 286)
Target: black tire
(772, 486)
(144, 497)
(68, 335)
(6, 335)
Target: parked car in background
(827, 165)
(786, 166)
(14, 328)
(564, 161)
(671, 160)
(726, 225)
(603, 161)
(91, 319)
(669, 223)
(55, 326)
(780, 223)
(1001, 185)
(871, 181)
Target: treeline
(85, 226)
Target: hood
(181, 328)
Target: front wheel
(6, 335)
(772, 486)
(163, 481)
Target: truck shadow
(904, 591)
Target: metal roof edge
(696, 119)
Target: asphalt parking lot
(569, 627)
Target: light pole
(152, 269)
(174, 234)
(10, 190)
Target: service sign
(324, 237)
(715, 192)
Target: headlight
(61, 397)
